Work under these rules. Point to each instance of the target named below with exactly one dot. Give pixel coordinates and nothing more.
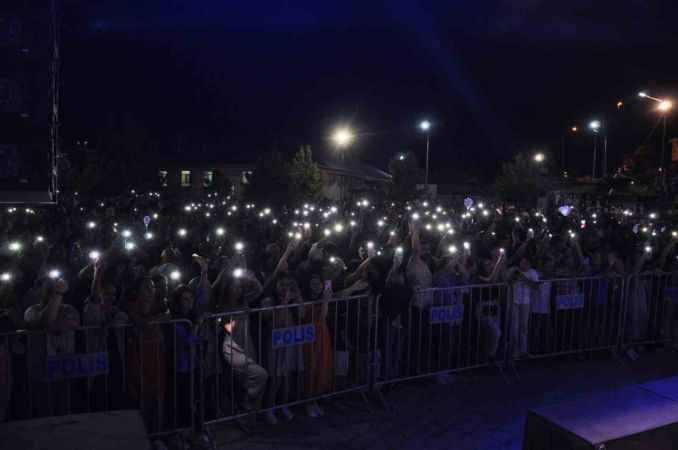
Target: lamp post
(594, 126)
(664, 107)
(563, 157)
(425, 126)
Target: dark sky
(494, 77)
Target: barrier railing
(270, 358)
(93, 369)
(182, 375)
(444, 330)
(651, 315)
(566, 316)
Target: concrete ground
(477, 410)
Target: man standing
(525, 280)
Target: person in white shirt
(525, 280)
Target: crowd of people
(175, 290)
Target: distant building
(342, 179)
(198, 175)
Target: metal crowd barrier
(262, 359)
(566, 316)
(183, 375)
(444, 330)
(651, 315)
(95, 369)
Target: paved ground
(480, 410)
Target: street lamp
(425, 126)
(664, 107)
(595, 126)
(539, 157)
(342, 136)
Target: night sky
(496, 78)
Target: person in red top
(146, 356)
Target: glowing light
(342, 137)
(94, 255)
(175, 275)
(539, 157)
(14, 246)
(126, 233)
(595, 125)
(370, 245)
(54, 274)
(148, 236)
(425, 125)
(665, 106)
(467, 246)
(401, 157)
(338, 228)
(399, 250)
(91, 225)
(648, 249)
(415, 216)
(452, 249)
(129, 246)
(39, 239)
(238, 272)
(220, 231)
(239, 246)
(380, 223)
(182, 232)
(574, 129)
(642, 94)
(6, 277)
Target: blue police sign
(453, 314)
(77, 366)
(289, 337)
(575, 301)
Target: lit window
(185, 178)
(208, 178)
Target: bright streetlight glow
(94, 255)
(401, 157)
(665, 106)
(642, 94)
(6, 277)
(574, 129)
(220, 231)
(539, 157)
(239, 246)
(182, 232)
(425, 125)
(148, 236)
(14, 246)
(342, 137)
(595, 125)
